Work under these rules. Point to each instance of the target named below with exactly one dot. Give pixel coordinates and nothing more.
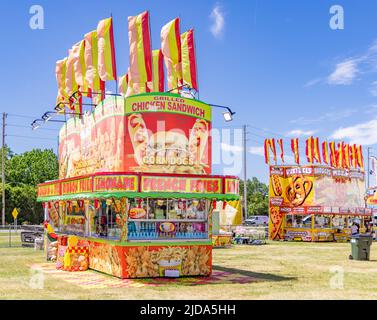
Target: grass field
(278, 270)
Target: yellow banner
(184, 185)
(168, 103)
(48, 190)
(77, 186)
(115, 183)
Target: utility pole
(368, 168)
(244, 172)
(3, 170)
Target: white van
(256, 221)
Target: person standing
(354, 229)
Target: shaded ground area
(278, 270)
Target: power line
(20, 126)
(27, 137)
(20, 116)
(265, 130)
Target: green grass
(15, 239)
(284, 271)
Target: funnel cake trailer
(316, 203)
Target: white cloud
(335, 115)
(258, 151)
(347, 70)
(300, 133)
(217, 27)
(362, 133)
(371, 109)
(344, 74)
(312, 82)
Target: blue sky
(278, 64)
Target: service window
(169, 219)
(322, 221)
(196, 209)
(100, 220)
(177, 209)
(301, 221)
(289, 221)
(138, 209)
(339, 222)
(106, 219)
(74, 218)
(157, 208)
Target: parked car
(30, 233)
(256, 221)
(249, 222)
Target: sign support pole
(3, 170)
(244, 173)
(368, 168)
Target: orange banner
(189, 60)
(106, 50)
(49, 190)
(77, 186)
(171, 49)
(115, 183)
(232, 186)
(140, 53)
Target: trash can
(360, 246)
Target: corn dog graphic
(277, 220)
(198, 140)
(139, 136)
(54, 213)
(276, 185)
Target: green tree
(257, 197)
(22, 174)
(32, 167)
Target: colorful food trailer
(135, 186)
(316, 203)
(371, 200)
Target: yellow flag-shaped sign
(14, 213)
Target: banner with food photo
(299, 186)
(167, 134)
(53, 213)
(69, 148)
(345, 190)
(277, 187)
(95, 142)
(275, 224)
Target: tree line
(22, 174)
(257, 196)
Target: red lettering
(216, 189)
